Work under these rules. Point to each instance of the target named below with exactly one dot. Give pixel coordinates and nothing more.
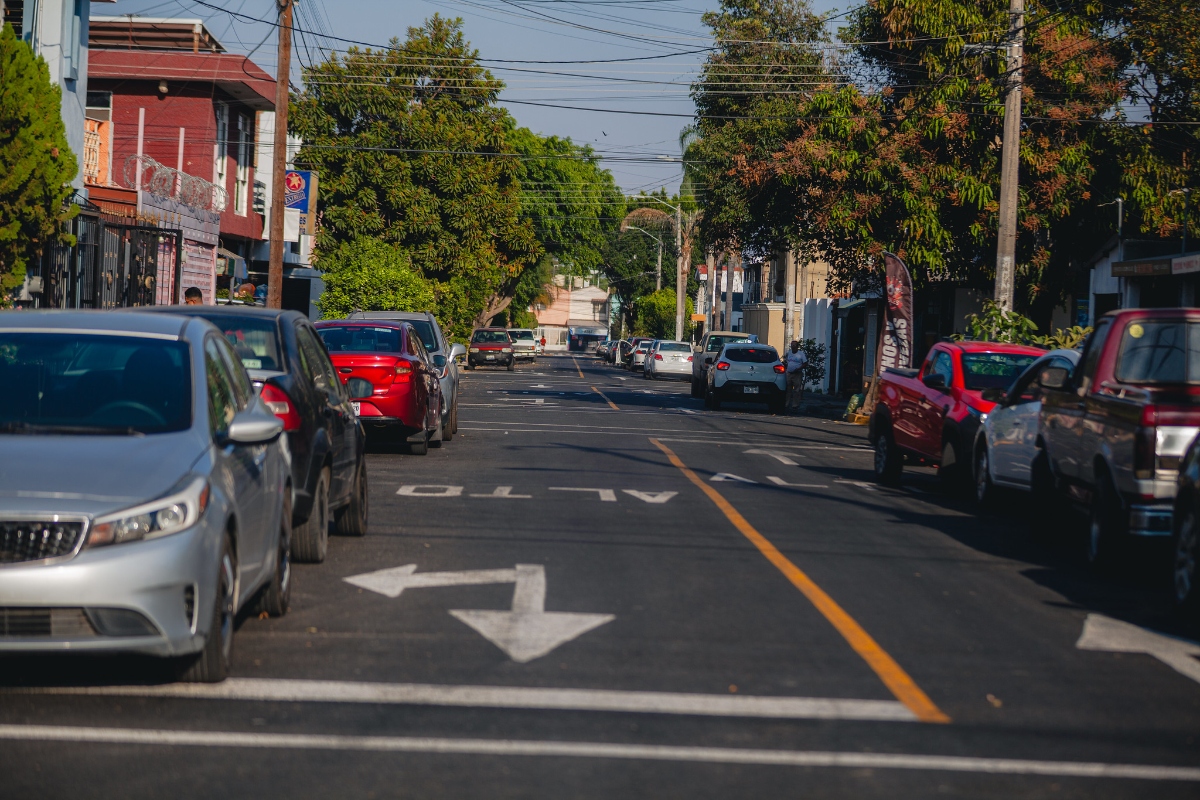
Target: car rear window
(360, 339)
(1159, 351)
(752, 355)
(256, 341)
(993, 370)
(87, 383)
(490, 337)
(715, 343)
(674, 347)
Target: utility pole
(680, 278)
(789, 298)
(1010, 162)
(279, 156)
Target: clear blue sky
(523, 30)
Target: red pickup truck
(931, 415)
(1112, 433)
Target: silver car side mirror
(457, 350)
(253, 427)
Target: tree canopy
(36, 164)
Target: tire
(888, 462)
(352, 519)
(951, 476)
(435, 440)
(512, 364)
(985, 491)
(211, 664)
(713, 401)
(470, 366)
(776, 407)
(1103, 533)
(419, 448)
(696, 389)
(451, 426)
(1185, 591)
(310, 541)
(274, 598)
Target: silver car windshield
(79, 383)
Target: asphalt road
(599, 589)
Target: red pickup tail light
(1146, 459)
(722, 365)
(281, 406)
(780, 368)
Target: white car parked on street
(668, 359)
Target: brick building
(171, 132)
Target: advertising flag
(896, 346)
(300, 194)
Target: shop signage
(1145, 268)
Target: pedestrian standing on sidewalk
(796, 359)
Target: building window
(221, 148)
(242, 157)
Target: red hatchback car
(405, 397)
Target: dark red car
(491, 347)
(405, 397)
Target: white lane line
(781, 482)
(634, 752)
(704, 705)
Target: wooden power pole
(1010, 163)
(279, 156)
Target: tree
(654, 315)
(36, 164)
(411, 147)
(367, 274)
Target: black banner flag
(896, 343)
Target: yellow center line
(577, 367)
(611, 404)
(892, 674)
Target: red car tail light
(780, 368)
(657, 357)
(281, 406)
(722, 365)
(689, 359)
(402, 372)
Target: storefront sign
(300, 193)
(1147, 267)
(1185, 264)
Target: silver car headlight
(162, 517)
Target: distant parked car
(669, 360)
(637, 355)
(445, 356)
(747, 373)
(524, 344)
(619, 352)
(1007, 442)
(602, 349)
(405, 399)
(491, 347)
(145, 495)
(289, 366)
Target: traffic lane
(687, 601)
(203, 772)
(992, 645)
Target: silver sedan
(142, 489)
(668, 359)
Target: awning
(851, 304)
(234, 264)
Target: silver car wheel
(983, 481)
(227, 591)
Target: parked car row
(1111, 429)
(171, 463)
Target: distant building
(575, 304)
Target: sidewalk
(821, 406)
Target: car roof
(171, 325)
(224, 310)
(727, 333)
(426, 315)
(493, 328)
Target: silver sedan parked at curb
(143, 486)
(668, 359)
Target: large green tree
(411, 148)
(369, 274)
(36, 164)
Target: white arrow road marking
(782, 482)
(870, 487)
(728, 476)
(1103, 633)
(650, 497)
(429, 490)
(782, 458)
(506, 493)
(607, 495)
(526, 632)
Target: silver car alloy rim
(1185, 559)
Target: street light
(680, 282)
(658, 269)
